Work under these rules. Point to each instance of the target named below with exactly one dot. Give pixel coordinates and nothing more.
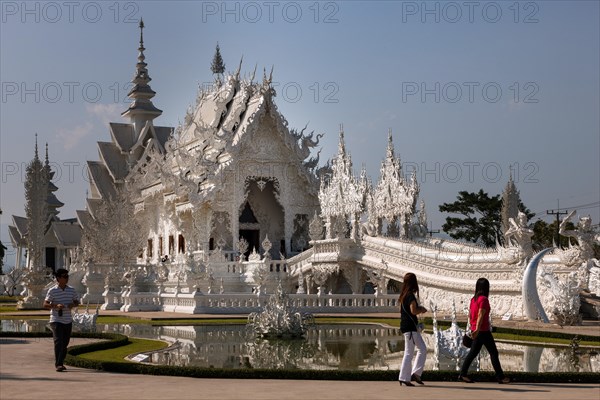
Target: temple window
(171, 244)
(181, 244)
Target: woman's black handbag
(467, 341)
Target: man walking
(59, 300)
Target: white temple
(215, 214)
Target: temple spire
(511, 199)
(53, 204)
(217, 66)
(141, 108)
(341, 145)
(141, 34)
(36, 156)
(390, 146)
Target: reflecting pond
(352, 346)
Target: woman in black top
(409, 309)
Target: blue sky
(467, 89)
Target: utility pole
(558, 213)
(431, 231)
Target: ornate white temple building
(212, 215)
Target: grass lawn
(119, 354)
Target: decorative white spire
(36, 209)
(341, 196)
(394, 198)
(390, 148)
(510, 202)
(53, 203)
(141, 108)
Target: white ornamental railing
(244, 303)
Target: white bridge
(333, 276)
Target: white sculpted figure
(520, 234)
(589, 271)
(584, 235)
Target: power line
(596, 203)
(579, 207)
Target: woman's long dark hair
(410, 285)
(482, 288)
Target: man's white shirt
(56, 295)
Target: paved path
(27, 372)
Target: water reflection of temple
(335, 346)
(339, 346)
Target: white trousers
(412, 340)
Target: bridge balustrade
(234, 303)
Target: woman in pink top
(479, 315)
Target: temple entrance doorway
(252, 236)
(261, 215)
(51, 258)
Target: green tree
(544, 234)
(481, 217)
(481, 221)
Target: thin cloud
(70, 137)
(105, 112)
(97, 118)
